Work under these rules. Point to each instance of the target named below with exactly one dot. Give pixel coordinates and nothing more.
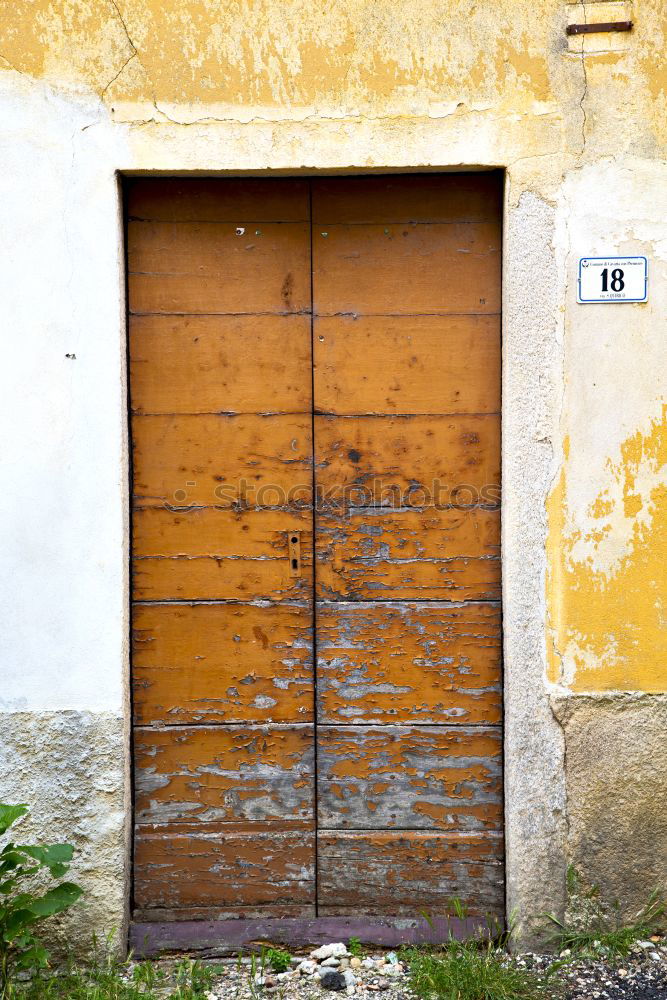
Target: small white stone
(336, 950)
(349, 990)
(344, 963)
(306, 968)
(356, 963)
(349, 977)
(367, 963)
(392, 970)
(331, 962)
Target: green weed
(103, 977)
(279, 960)
(23, 903)
(593, 927)
(472, 970)
(354, 947)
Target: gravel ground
(642, 975)
(330, 970)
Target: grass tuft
(105, 978)
(472, 970)
(594, 928)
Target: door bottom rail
(214, 938)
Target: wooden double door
(316, 643)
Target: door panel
(245, 873)
(406, 335)
(394, 267)
(423, 662)
(207, 778)
(421, 552)
(406, 460)
(421, 364)
(404, 198)
(215, 459)
(197, 663)
(220, 364)
(188, 267)
(211, 199)
(385, 873)
(221, 406)
(409, 777)
(207, 553)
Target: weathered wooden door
(315, 397)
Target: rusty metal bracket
(591, 29)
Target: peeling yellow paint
(608, 623)
(362, 53)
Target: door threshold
(215, 938)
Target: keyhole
(295, 564)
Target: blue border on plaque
(617, 301)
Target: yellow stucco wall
(607, 583)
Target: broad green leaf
(10, 859)
(22, 900)
(36, 957)
(9, 814)
(55, 857)
(17, 922)
(55, 900)
(15, 860)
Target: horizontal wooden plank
(208, 663)
(210, 937)
(405, 663)
(407, 461)
(408, 553)
(385, 873)
(410, 777)
(212, 777)
(233, 874)
(213, 364)
(408, 198)
(222, 461)
(219, 532)
(407, 364)
(205, 578)
(218, 267)
(207, 553)
(218, 199)
(406, 269)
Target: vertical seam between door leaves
(314, 556)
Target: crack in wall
(114, 78)
(582, 102)
(12, 66)
(133, 55)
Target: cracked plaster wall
(101, 86)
